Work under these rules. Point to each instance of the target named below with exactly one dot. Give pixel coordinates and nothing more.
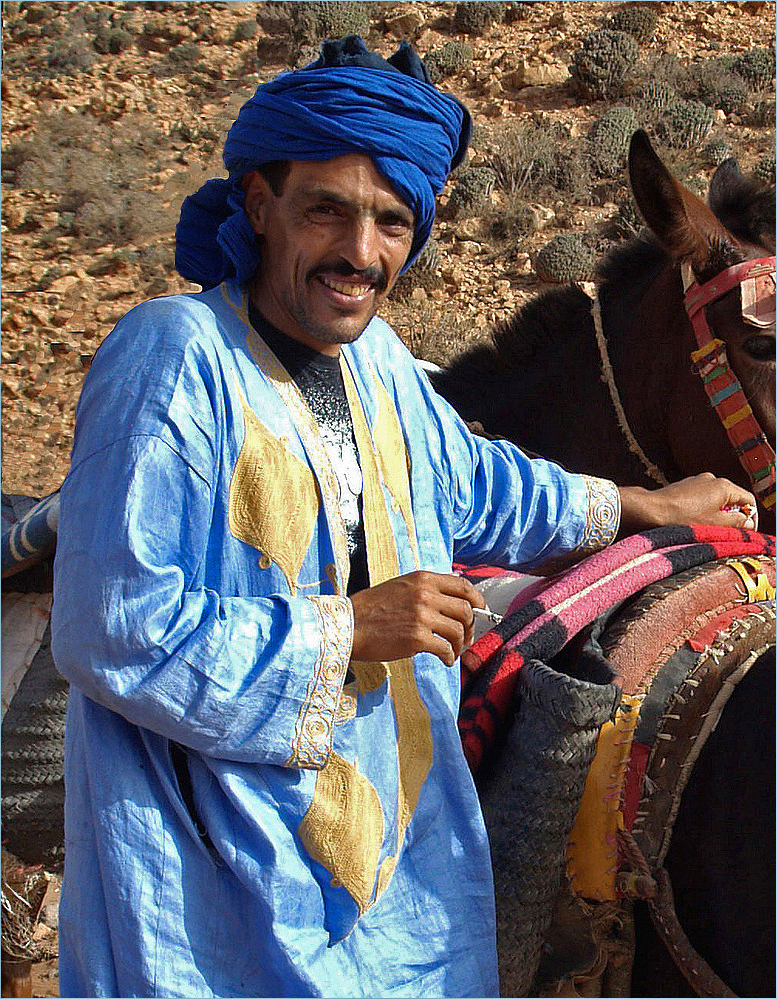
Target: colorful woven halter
(720, 383)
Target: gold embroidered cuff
(603, 517)
(604, 514)
(314, 731)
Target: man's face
(333, 244)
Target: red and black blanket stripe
(540, 627)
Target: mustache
(368, 275)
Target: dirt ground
(103, 146)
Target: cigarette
(746, 508)
(488, 615)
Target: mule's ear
(726, 184)
(726, 175)
(682, 223)
(744, 206)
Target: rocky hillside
(113, 112)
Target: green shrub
(112, 40)
(657, 95)
(602, 63)
(447, 60)
(67, 58)
(756, 67)
(428, 260)
(185, 53)
(424, 273)
(517, 12)
(762, 113)
(764, 169)
(275, 18)
(244, 30)
(474, 18)
(567, 257)
(662, 68)
(685, 124)
(511, 221)
(609, 137)
(535, 161)
(714, 84)
(316, 21)
(628, 221)
(640, 22)
(716, 151)
(650, 102)
(731, 98)
(472, 190)
(99, 172)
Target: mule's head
(736, 226)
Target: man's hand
(700, 499)
(419, 612)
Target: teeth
(352, 290)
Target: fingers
(444, 614)
(452, 619)
(446, 603)
(743, 516)
(419, 612)
(451, 585)
(732, 506)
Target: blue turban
(349, 101)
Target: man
(266, 793)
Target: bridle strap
(721, 385)
(697, 296)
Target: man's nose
(360, 244)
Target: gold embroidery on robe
(325, 828)
(273, 498)
(349, 701)
(310, 435)
(347, 840)
(370, 676)
(393, 460)
(388, 456)
(314, 731)
(604, 514)
(602, 523)
(318, 455)
(343, 828)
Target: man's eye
(324, 210)
(396, 224)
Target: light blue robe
(200, 572)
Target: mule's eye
(760, 348)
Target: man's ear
(257, 193)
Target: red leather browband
(699, 295)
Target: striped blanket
(29, 530)
(544, 619)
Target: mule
(542, 384)
(550, 385)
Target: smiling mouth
(350, 290)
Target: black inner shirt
(319, 379)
